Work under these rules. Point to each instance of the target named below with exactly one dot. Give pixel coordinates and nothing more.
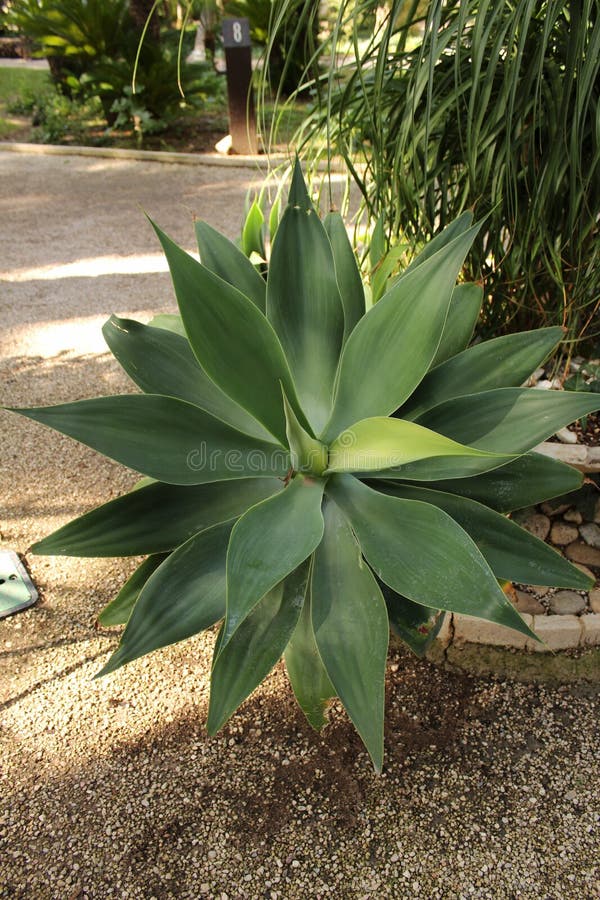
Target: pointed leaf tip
(298, 195)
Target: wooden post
(238, 59)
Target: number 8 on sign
(237, 32)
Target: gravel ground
(111, 788)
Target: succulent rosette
(318, 468)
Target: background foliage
(92, 47)
(449, 105)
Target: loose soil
(112, 788)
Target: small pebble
(563, 534)
(526, 603)
(590, 532)
(538, 525)
(567, 603)
(574, 516)
(583, 553)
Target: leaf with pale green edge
(184, 596)
(268, 542)
(351, 628)
(526, 481)
(508, 420)
(161, 362)
(219, 321)
(512, 553)
(304, 304)
(117, 612)
(417, 625)
(499, 363)
(165, 438)
(169, 322)
(222, 257)
(393, 344)
(347, 272)
(252, 232)
(463, 314)
(454, 229)
(423, 554)
(381, 443)
(255, 647)
(307, 454)
(309, 680)
(155, 518)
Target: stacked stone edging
(563, 619)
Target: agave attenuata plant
(316, 472)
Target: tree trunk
(139, 11)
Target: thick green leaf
(269, 542)
(304, 304)
(227, 261)
(119, 609)
(255, 647)
(454, 229)
(161, 362)
(347, 272)
(392, 347)
(512, 553)
(233, 342)
(155, 518)
(462, 318)
(169, 322)
(502, 362)
(528, 480)
(417, 625)
(351, 628)
(421, 553)
(380, 443)
(252, 232)
(168, 439)
(185, 595)
(307, 454)
(508, 420)
(310, 682)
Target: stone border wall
(556, 632)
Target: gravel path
(111, 788)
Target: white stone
(556, 632)
(566, 437)
(590, 532)
(590, 630)
(444, 635)
(468, 629)
(574, 454)
(224, 145)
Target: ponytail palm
(314, 472)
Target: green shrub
(451, 105)
(92, 47)
(316, 471)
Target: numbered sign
(238, 61)
(236, 33)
